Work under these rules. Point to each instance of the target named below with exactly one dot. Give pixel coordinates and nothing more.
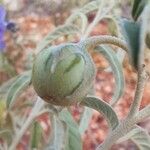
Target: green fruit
(147, 40)
(63, 75)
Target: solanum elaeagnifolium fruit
(147, 40)
(63, 75)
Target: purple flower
(3, 26)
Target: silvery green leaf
(131, 31)
(6, 66)
(86, 117)
(139, 136)
(105, 109)
(120, 55)
(6, 135)
(112, 25)
(135, 35)
(4, 131)
(6, 123)
(58, 32)
(59, 134)
(138, 7)
(91, 6)
(145, 21)
(17, 87)
(74, 138)
(4, 87)
(36, 135)
(75, 16)
(79, 15)
(116, 66)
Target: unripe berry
(63, 75)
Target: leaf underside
(17, 87)
(59, 134)
(58, 32)
(91, 6)
(74, 138)
(69, 28)
(102, 107)
(138, 7)
(131, 32)
(116, 66)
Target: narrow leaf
(59, 134)
(116, 66)
(91, 6)
(36, 135)
(139, 136)
(86, 117)
(6, 66)
(145, 21)
(135, 35)
(112, 25)
(17, 87)
(58, 32)
(6, 117)
(4, 87)
(4, 131)
(103, 108)
(131, 32)
(74, 138)
(78, 16)
(6, 135)
(138, 7)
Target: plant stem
(94, 41)
(144, 113)
(128, 123)
(123, 128)
(37, 107)
(142, 78)
(87, 114)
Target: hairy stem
(37, 107)
(143, 114)
(94, 41)
(123, 128)
(133, 117)
(142, 78)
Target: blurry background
(33, 20)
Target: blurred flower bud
(4, 25)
